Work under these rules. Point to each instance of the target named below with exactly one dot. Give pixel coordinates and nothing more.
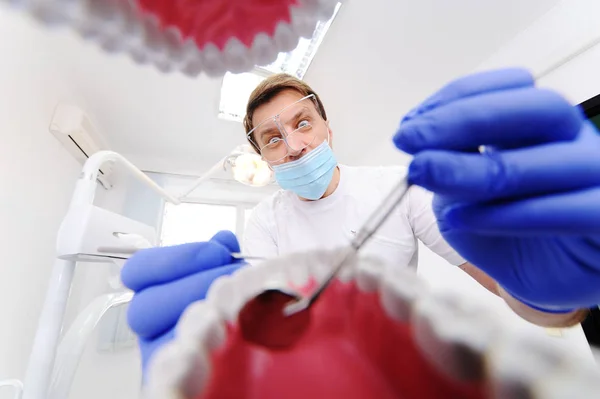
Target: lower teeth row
(458, 336)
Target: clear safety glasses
(288, 132)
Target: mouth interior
(351, 349)
(262, 321)
(213, 22)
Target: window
(236, 88)
(247, 214)
(194, 222)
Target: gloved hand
(166, 280)
(527, 210)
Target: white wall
(546, 46)
(38, 176)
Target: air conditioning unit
(74, 129)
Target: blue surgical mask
(310, 175)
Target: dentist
(525, 212)
(323, 203)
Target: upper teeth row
(455, 334)
(117, 26)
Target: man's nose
(297, 142)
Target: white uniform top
(283, 224)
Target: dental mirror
(262, 320)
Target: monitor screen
(591, 108)
(596, 121)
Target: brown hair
(268, 89)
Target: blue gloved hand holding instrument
(525, 209)
(167, 280)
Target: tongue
(351, 350)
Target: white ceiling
(379, 58)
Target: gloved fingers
(157, 309)
(507, 174)
(162, 265)
(575, 213)
(227, 239)
(472, 85)
(507, 119)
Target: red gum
(351, 350)
(216, 21)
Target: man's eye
(274, 140)
(303, 123)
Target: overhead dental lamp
(246, 166)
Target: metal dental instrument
(277, 317)
(133, 250)
(374, 222)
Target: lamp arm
(205, 176)
(91, 169)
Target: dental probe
(133, 250)
(374, 222)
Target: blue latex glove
(527, 211)
(166, 280)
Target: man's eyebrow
(266, 131)
(301, 112)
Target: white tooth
(251, 280)
(236, 56)
(49, 13)
(174, 45)
(285, 38)
(263, 50)
(97, 18)
(192, 59)
(349, 271)
(112, 44)
(201, 325)
(213, 61)
(400, 289)
(319, 263)
(139, 55)
(132, 29)
(223, 295)
(168, 369)
(297, 274)
(326, 9)
(453, 333)
(164, 64)
(197, 376)
(518, 363)
(311, 5)
(302, 23)
(156, 43)
(369, 274)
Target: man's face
(288, 127)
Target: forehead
(277, 103)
